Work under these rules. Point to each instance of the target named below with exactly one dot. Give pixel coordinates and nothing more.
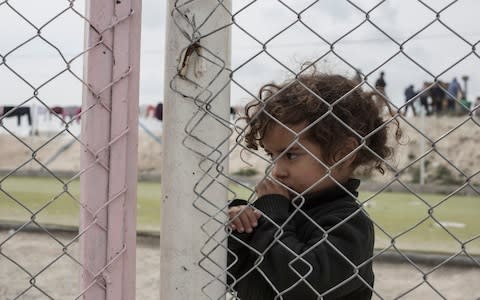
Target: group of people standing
(439, 98)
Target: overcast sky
(436, 49)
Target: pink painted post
(109, 156)
(93, 161)
(124, 152)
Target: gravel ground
(34, 251)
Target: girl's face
(294, 166)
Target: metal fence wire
(300, 272)
(96, 253)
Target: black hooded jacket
(318, 247)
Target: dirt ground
(57, 275)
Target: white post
(182, 237)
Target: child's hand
(268, 187)
(243, 218)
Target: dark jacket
(304, 239)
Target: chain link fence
(285, 40)
(72, 67)
(412, 221)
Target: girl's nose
(279, 171)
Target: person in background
(424, 94)
(438, 95)
(380, 84)
(464, 105)
(453, 90)
(410, 96)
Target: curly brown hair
(325, 99)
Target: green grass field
(403, 217)
(53, 205)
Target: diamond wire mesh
(34, 269)
(463, 246)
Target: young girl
(306, 237)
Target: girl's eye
(291, 156)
